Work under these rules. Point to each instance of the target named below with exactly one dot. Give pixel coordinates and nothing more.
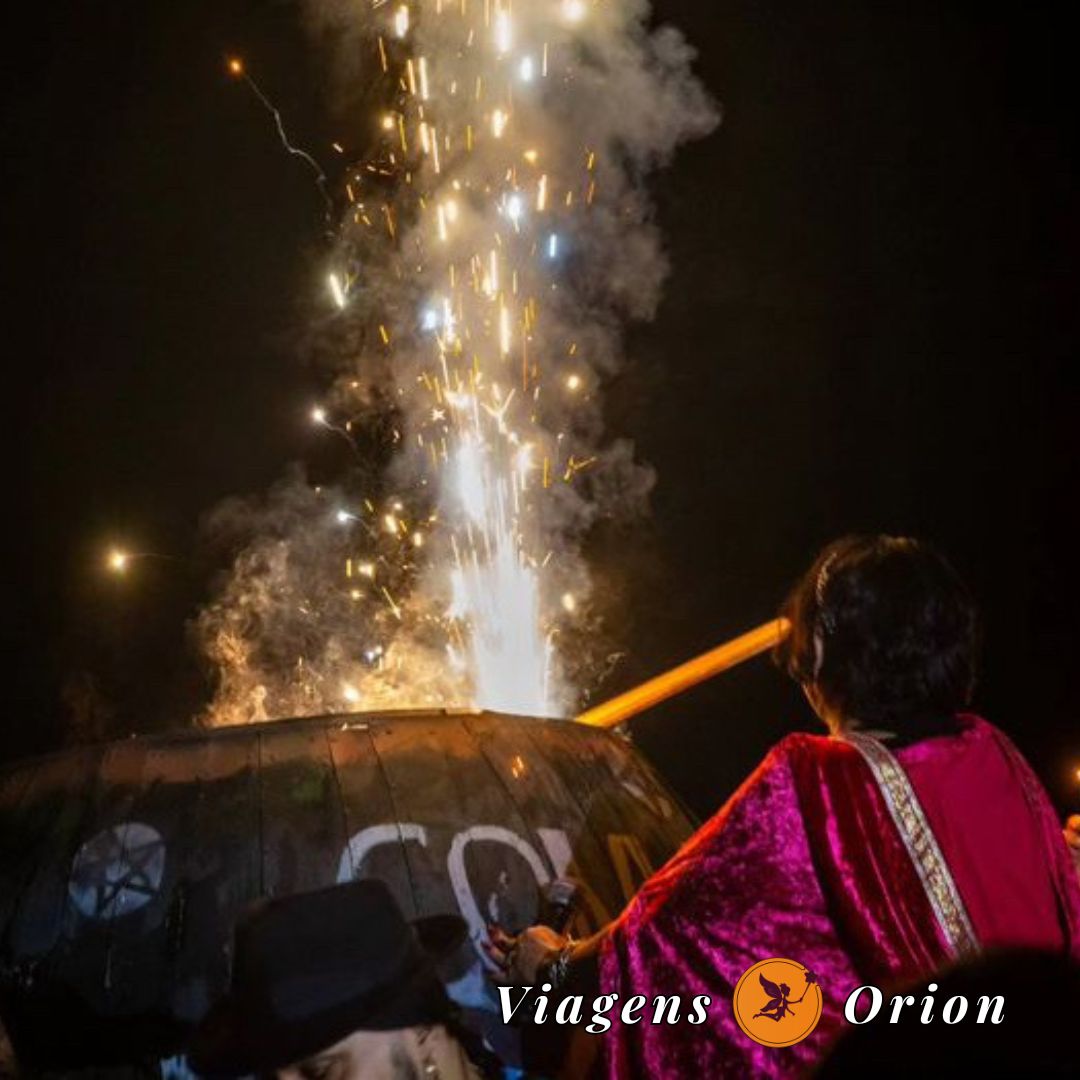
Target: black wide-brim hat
(311, 969)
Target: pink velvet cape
(805, 862)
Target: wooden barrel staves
(123, 867)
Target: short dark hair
(899, 632)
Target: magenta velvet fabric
(1001, 838)
(805, 862)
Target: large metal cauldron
(123, 867)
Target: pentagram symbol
(118, 871)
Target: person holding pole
(912, 836)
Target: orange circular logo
(777, 1002)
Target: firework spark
(495, 236)
(238, 70)
(118, 561)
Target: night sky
(871, 324)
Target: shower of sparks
(489, 242)
(489, 456)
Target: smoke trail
(495, 237)
(237, 69)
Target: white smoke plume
(495, 238)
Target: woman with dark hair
(884, 637)
(913, 836)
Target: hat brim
(231, 1043)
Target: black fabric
(313, 968)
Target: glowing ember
(337, 290)
(574, 10)
(118, 561)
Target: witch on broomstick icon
(779, 1003)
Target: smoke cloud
(496, 237)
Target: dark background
(870, 325)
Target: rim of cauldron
(345, 721)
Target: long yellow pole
(619, 709)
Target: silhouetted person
(337, 985)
